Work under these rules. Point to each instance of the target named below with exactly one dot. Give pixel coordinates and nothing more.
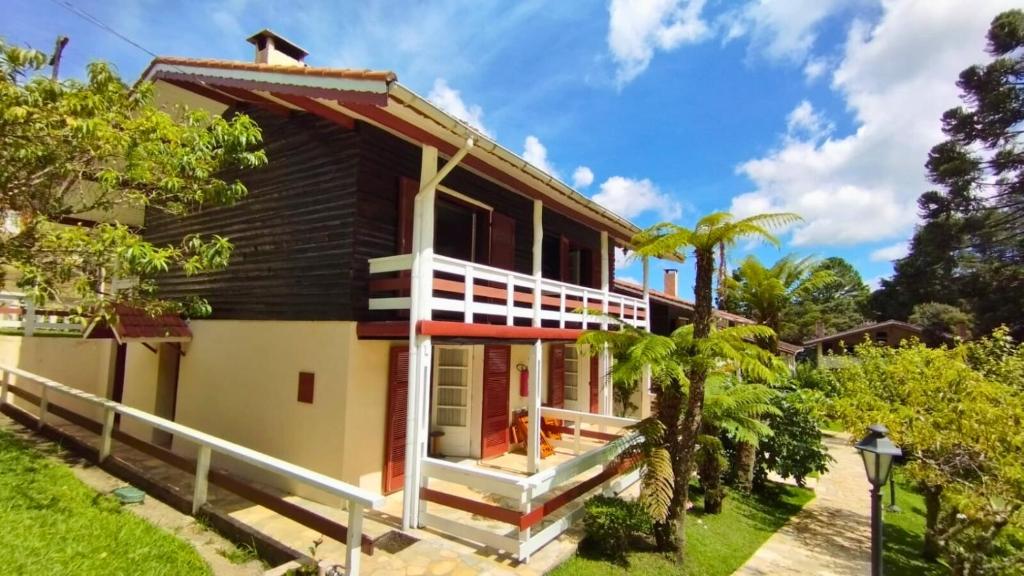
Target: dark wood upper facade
(330, 199)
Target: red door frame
(397, 417)
(494, 414)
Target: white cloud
(629, 198)
(890, 253)
(896, 77)
(814, 68)
(536, 153)
(450, 100)
(779, 29)
(621, 258)
(582, 177)
(637, 28)
(804, 122)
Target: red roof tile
(136, 324)
(347, 73)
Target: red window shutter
(407, 190)
(494, 428)
(594, 380)
(556, 377)
(503, 241)
(398, 394)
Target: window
(572, 371)
(452, 381)
(461, 229)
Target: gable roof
(376, 97)
(862, 329)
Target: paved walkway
(831, 536)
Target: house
(890, 333)
(401, 307)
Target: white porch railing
(20, 313)
(538, 496)
(473, 290)
(356, 498)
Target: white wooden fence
(356, 498)
(538, 495)
(20, 313)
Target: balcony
(479, 294)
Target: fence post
(526, 505)
(108, 431)
(576, 433)
(510, 290)
(201, 482)
(44, 405)
(353, 539)
(4, 386)
(467, 315)
(28, 323)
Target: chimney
(670, 282)
(274, 49)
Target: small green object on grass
(129, 495)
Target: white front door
(452, 399)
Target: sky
(657, 109)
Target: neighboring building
(890, 333)
(396, 276)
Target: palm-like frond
(736, 408)
(657, 479)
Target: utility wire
(100, 24)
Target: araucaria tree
(680, 364)
(970, 244)
(74, 152)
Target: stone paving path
(831, 536)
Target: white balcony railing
(476, 291)
(549, 501)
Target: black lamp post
(878, 453)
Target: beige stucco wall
(239, 380)
(84, 364)
(366, 411)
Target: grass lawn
(716, 545)
(51, 523)
(903, 535)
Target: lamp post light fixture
(878, 453)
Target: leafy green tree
(970, 245)
(941, 322)
(681, 363)
(794, 448)
(766, 294)
(834, 306)
(96, 149)
(962, 433)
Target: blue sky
(659, 109)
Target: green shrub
(794, 449)
(610, 522)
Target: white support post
(4, 386)
(585, 309)
(538, 249)
(510, 302)
(604, 279)
(467, 315)
(199, 489)
(533, 408)
(353, 539)
(28, 323)
(561, 307)
(44, 406)
(645, 381)
(576, 435)
(108, 433)
(426, 364)
(421, 304)
(525, 506)
(605, 398)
